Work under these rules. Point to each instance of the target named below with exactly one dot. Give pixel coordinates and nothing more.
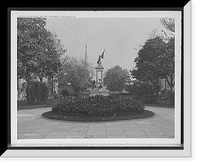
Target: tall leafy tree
(155, 61)
(116, 78)
(147, 60)
(38, 50)
(169, 24)
(75, 72)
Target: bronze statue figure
(100, 57)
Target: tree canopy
(38, 50)
(116, 78)
(155, 61)
(77, 73)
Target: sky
(121, 37)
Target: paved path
(32, 126)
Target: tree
(168, 67)
(37, 92)
(147, 60)
(116, 78)
(168, 23)
(75, 72)
(155, 61)
(38, 50)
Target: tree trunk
(170, 82)
(52, 86)
(171, 93)
(27, 94)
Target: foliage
(155, 61)
(38, 50)
(168, 23)
(21, 91)
(65, 92)
(99, 105)
(36, 92)
(171, 97)
(116, 78)
(146, 62)
(163, 94)
(75, 72)
(167, 95)
(167, 63)
(145, 92)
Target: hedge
(99, 105)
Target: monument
(99, 88)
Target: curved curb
(106, 121)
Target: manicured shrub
(99, 105)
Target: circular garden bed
(98, 108)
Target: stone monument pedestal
(99, 89)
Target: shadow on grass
(87, 118)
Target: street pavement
(30, 125)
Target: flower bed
(99, 106)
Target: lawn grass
(97, 118)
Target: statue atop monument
(98, 87)
(100, 57)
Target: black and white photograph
(96, 79)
